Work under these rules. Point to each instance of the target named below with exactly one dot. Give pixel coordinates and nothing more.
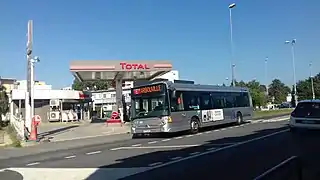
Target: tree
(258, 98)
(279, 91)
(304, 90)
(4, 102)
(96, 85)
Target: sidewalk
(60, 136)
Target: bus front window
(149, 106)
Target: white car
(306, 115)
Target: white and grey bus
(182, 105)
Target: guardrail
(291, 169)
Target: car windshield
(308, 109)
(149, 106)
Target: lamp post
(266, 74)
(311, 79)
(231, 6)
(292, 43)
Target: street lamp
(266, 74)
(231, 6)
(311, 79)
(292, 43)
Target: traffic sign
(114, 114)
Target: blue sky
(193, 34)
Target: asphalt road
(232, 152)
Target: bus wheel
(239, 118)
(194, 126)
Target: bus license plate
(146, 131)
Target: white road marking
(94, 152)
(69, 157)
(275, 167)
(194, 153)
(155, 147)
(199, 133)
(164, 140)
(180, 137)
(219, 149)
(155, 164)
(208, 132)
(1, 170)
(32, 164)
(223, 129)
(135, 145)
(190, 135)
(152, 142)
(213, 148)
(176, 158)
(216, 130)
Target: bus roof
(198, 87)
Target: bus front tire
(194, 126)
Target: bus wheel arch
(239, 117)
(194, 125)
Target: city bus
(167, 107)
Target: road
(232, 152)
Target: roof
(310, 100)
(197, 87)
(201, 87)
(126, 70)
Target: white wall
(47, 94)
(171, 76)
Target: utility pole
(29, 95)
(311, 79)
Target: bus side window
(177, 103)
(218, 100)
(191, 101)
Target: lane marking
(155, 164)
(274, 167)
(208, 132)
(210, 149)
(135, 145)
(152, 142)
(216, 130)
(223, 129)
(32, 164)
(190, 135)
(180, 137)
(194, 153)
(176, 158)
(218, 150)
(156, 147)
(94, 152)
(164, 140)
(2, 170)
(69, 157)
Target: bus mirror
(174, 94)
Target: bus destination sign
(146, 90)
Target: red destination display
(145, 90)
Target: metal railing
(290, 168)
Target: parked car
(305, 115)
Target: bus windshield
(150, 102)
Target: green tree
(304, 88)
(92, 85)
(279, 91)
(4, 103)
(257, 93)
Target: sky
(193, 34)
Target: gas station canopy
(91, 70)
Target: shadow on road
(56, 131)
(245, 161)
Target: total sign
(133, 66)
